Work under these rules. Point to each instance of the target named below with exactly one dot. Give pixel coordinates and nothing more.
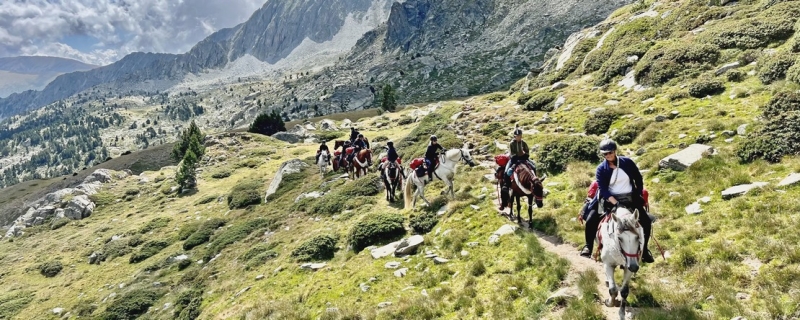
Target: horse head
(461, 155)
(337, 144)
(538, 190)
(630, 236)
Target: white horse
(445, 172)
(622, 239)
(322, 161)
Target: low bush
(736, 75)
(202, 233)
(491, 128)
(187, 230)
(207, 199)
(12, 302)
(628, 133)
(321, 247)
(183, 264)
(541, 101)
(103, 198)
(524, 97)
(329, 135)
(251, 163)
(793, 73)
(258, 255)
(706, 86)
(245, 194)
(221, 174)
(424, 222)
(557, 153)
(58, 223)
(376, 228)
(115, 248)
(754, 33)
(235, 233)
(188, 304)
(380, 139)
(749, 56)
(148, 250)
(135, 240)
(154, 224)
(666, 61)
(131, 304)
(496, 97)
(599, 122)
(775, 67)
(405, 121)
(576, 59)
(619, 62)
(781, 133)
(51, 268)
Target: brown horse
(525, 184)
(361, 162)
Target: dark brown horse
(392, 178)
(361, 162)
(524, 184)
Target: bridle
(628, 228)
(463, 157)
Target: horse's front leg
(624, 293)
(530, 211)
(612, 286)
(519, 209)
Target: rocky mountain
(34, 73)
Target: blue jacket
(360, 143)
(604, 173)
(392, 154)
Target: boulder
(683, 159)
(392, 265)
(560, 102)
(739, 190)
(742, 130)
(694, 208)
(346, 123)
(288, 167)
(95, 258)
(312, 195)
(327, 125)
(629, 81)
(792, 179)
(287, 137)
(725, 68)
(313, 266)
(14, 231)
(440, 260)
(558, 85)
(310, 127)
(79, 207)
(385, 251)
(401, 272)
(504, 230)
(409, 246)
(561, 296)
(660, 118)
(99, 175)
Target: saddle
(350, 150)
(337, 153)
(606, 219)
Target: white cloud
(39, 27)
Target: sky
(100, 32)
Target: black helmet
(608, 145)
(352, 128)
(434, 138)
(391, 144)
(360, 135)
(518, 132)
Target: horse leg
(624, 292)
(530, 211)
(612, 286)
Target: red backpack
(502, 160)
(416, 163)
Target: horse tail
(407, 190)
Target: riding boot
(590, 230)
(647, 226)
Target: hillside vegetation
(194, 255)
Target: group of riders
(618, 181)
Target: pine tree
(187, 172)
(388, 99)
(179, 150)
(268, 124)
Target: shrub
(775, 67)
(183, 264)
(736, 76)
(50, 269)
(541, 101)
(491, 128)
(245, 194)
(321, 247)
(187, 230)
(754, 33)
(666, 61)
(58, 223)
(131, 304)
(115, 248)
(675, 96)
(251, 163)
(188, 304)
(11, 303)
(207, 199)
(781, 133)
(154, 224)
(628, 134)
(576, 59)
(749, 56)
(221, 174)
(477, 269)
(380, 139)
(706, 87)
(496, 97)
(376, 228)
(148, 250)
(329, 135)
(235, 233)
(258, 255)
(618, 63)
(795, 48)
(599, 122)
(135, 241)
(405, 120)
(793, 74)
(523, 98)
(557, 153)
(424, 222)
(202, 234)
(268, 124)
(84, 309)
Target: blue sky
(102, 31)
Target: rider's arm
(602, 183)
(636, 175)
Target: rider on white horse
(432, 156)
(322, 147)
(620, 183)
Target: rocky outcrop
(288, 167)
(739, 190)
(287, 137)
(79, 207)
(685, 158)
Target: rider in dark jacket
(343, 157)
(391, 157)
(353, 135)
(359, 145)
(432, 155)
(626, 192)
(322, 147)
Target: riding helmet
(360, 135)
(391, 144)
(518, 132)
(608, 145)
(434, 138)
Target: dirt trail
(578, 264)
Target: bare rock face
(79, 207)
(288, 167)
(685, 158)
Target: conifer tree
(187, 171)
(268, 124)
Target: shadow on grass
(548, 225)
(188, 193)
(680, 313)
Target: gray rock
(288, 167)
(472, 244)
(401, 272)
(440, 260)
(558, 85)
(385, 251)
(58, 311)
(560, 102)
(684, 158)
(312, 195)
(660, 118)
(742, 296)
(612, 102)
(79, 207)
(180, 257)
(384, 304)
(409, 246)
(364, 287)
(392, 265)
(705, 199)
(725, 68)
(259, 277)
(313, 266)
(241, 292)
(694, 208)
(464, 253)
(640, 151)
(739, 190)
(728, 133)
(287, 137)
(99, 175)
(327, 125)
(742, 130)
(95, 258)
(792, 179)
(674, 114)
(561, 296)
